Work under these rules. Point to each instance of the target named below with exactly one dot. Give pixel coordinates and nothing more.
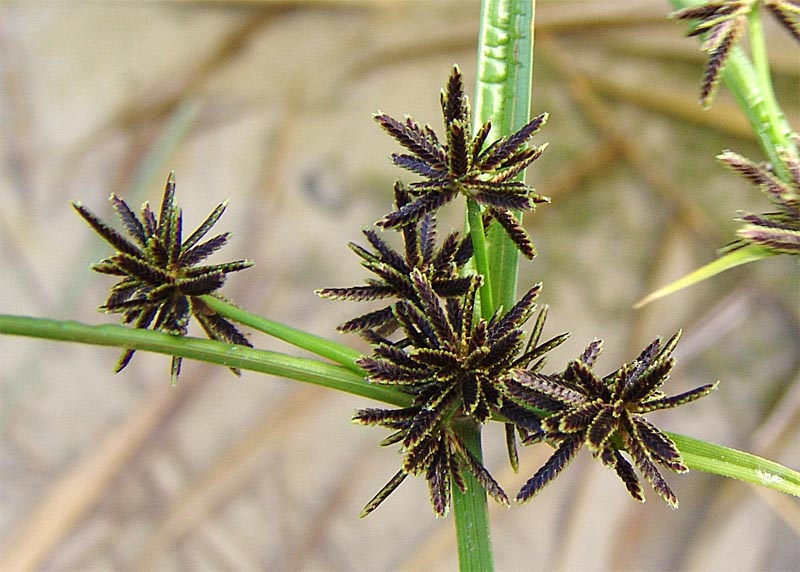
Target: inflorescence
(161, 285)
(456, 364)
(465, 165)
(583, 408)
(723, 22)
(777, 231)
(431, 344)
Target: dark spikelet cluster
(586, 409)
(160, 283)
(442, 266)
(778, 231)
(466, 165)
(787, 12)
(451, 364)
(723, 22)
(440, 455)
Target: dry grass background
(270, 104)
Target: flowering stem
(751, 86)
(337, 353)
(502, 96)
(478, 236)
(698, 455)
(211, 351)
(473, 534)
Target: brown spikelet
(162, 284)
(787, 13)
(725, 38)
(586, 409)
(464, 164)
(777, 231)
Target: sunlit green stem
(317, 345)
(474, 541)
(478, 236)
(241, 357)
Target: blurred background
(269, 104)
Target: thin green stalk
(241, 357)
(777, 126)
(503, 96)
(317, 345)
(710, 458)
(474, 541)
(769, 125)
(478, 236)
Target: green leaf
(710, 458)
(749, 253)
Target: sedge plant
(455, 345)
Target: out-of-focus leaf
(748, 253)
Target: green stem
(241, 357)
(777, 128)
(769, 125)
(698, 455)
(710, 458)
(503, 96)
(478, 236)
(473, 534)
(317, 345)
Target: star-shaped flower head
(440, 455)
(161, 283)
(442, 267)
(724, 22)
(465, 165)
(587, 409)
(452, 365)
(454, 360)
(778, 231)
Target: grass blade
(719, 460)
(749, 253)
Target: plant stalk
(473, 534)
(503, 96)
(336, 352)
(211, 351)
(480, 254)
